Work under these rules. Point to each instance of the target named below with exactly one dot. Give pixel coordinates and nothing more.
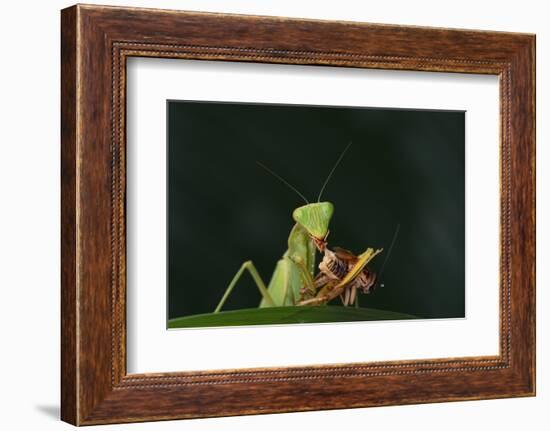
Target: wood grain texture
(96, 41)
(69, 398)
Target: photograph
(287, 214)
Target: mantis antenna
(285, 182)
(389, 251)
(332, 171)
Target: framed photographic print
(258, 208)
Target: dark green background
(405, 166)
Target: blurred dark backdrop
(405, 166)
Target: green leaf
(285, 315)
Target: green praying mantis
(293, 282)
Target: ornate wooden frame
(95, 43)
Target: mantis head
(315, 218)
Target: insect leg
(323, 295)
(354, 297)
(346, 297)
(248, 265)
(342, 299)
(306, 277)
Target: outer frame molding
(95, 43)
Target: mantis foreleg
(305, 276)
(248, 265)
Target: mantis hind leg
(248, 265)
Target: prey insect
(293, 282)
(344, 274)
(341, 274)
